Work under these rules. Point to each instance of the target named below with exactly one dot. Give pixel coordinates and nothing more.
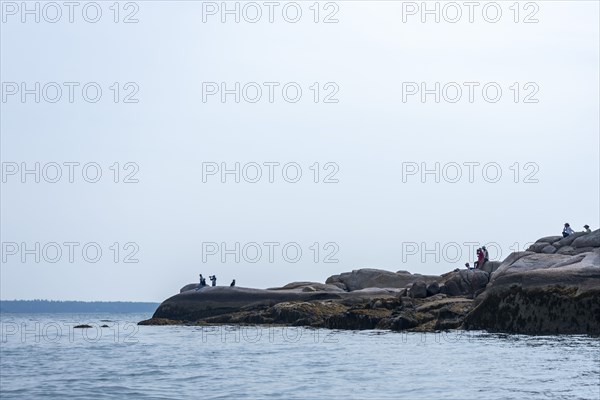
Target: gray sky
(374, 216)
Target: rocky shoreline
(552, 288)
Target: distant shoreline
(56, 306)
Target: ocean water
(42, 356)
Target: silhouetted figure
(213, 279)
(486, 256)
(567, 230)
(232, 283)
(587, 229)
(202, 282)
(466, 265)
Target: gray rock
(309, 286)
(491, 266)
(549, 239)
(464, 282)
(568, 240)
(549, 249)
(571, 251)
(367, 277)
(418, 290)
(191, 286)
(538, 246)
(542, 294)
(433, 288)
(589, 240)
(450, 288)
(403, 322)
(568, 250)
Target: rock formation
(540, 292)
(553, 287)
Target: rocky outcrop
(542, 294)
(193, 305)
(491, 266)
(310, 287)
(464, 282)
(587, 241)
(554, 287)
(418, 290)
(368, 277)
(188, 287)
(362, 312)
(569, 245)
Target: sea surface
(43, 356)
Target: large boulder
(191, 286)
(193, 305)
(196, 305)
(568, 240)
(464, 282)
(368, 277)
(549, 249)
(418, 290)
(309, 287)
(491, 266)
(433, 289)
(549, 239)
(541, 294)
(589, 240)
(537, 247)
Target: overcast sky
(370, 132)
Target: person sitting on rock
(467, 265)
(567, 230)
(587, 229)
(202, 281)
(213, 279)
(232, 283)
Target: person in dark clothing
(213, 279)
(486, 256)
(232, 283)
(587, 229)
(202, 282)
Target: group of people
(213, 280)
(567, 230)
(482, 258)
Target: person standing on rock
(479, 262)
(486, 256)
(587, 229)
(567, 230)
(213, 279)
(202, 281)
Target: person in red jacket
(480, 257)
